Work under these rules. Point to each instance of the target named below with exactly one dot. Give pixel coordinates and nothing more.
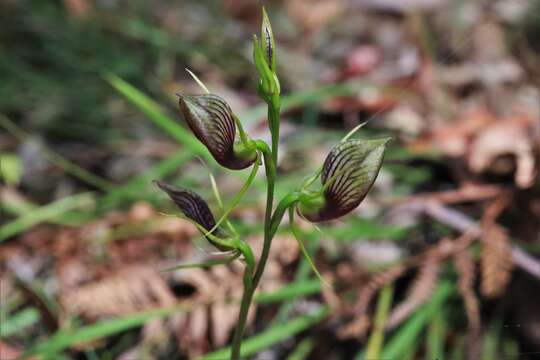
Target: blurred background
(444, 250)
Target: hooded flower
(194, 208)
(348, 173)
(212, 121)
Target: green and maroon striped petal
(212, 121)
(193, 207)
(348, 173)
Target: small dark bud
(194, 208)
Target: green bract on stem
(346, 176)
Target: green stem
(273, 121)
(270, 168)
(269, 233)
(247, 296)
(271, 223)
(249, 288)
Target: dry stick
(463, 194)
(459, 221)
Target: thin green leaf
(238, 197)
(64, 339)
(291, 291)
(133, 189)
(302, 275)
(458, 349)
(436, 335)
(491, 343)
(298, 236)
(408, 334)
(209, 263)
(156, 114)
(45, 213)
(57, 159)
(377, 335)
(16, 323)
(10, 168)
(217, 196)
(272, 335)
(303, 349)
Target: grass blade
(409, 332)
(45, 213)
(377, 335)
(64, 339)
(302, 350)
(154, 112)
(133, 188)
(272, 336)
(290, 291)
(57, 159)
(17, 322)
(436, 335)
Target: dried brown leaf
(509, 137)
(465, 268)
(496, 261)
(359, 326)
(419, 292)
(313, 14)
(130, 290)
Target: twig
(462, 222)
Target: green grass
(376, 338)
(45, 213)
(408, 333)
(64, 339)
(291, 291)
(272, 335)
(18, 322)
(154, 112)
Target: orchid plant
(346, 176)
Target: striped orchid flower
(214, 124)
(349, 171)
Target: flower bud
(194, 208)
(264, 57)
(212, 121)
(268, 41)
(348, 173)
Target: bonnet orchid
(347, 175)
(349, 171)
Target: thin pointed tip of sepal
(198, 81)
(384, 141)
(160, 184)
(353, 131)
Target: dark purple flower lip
(212, 121)
(194, 207)
(348, 173)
